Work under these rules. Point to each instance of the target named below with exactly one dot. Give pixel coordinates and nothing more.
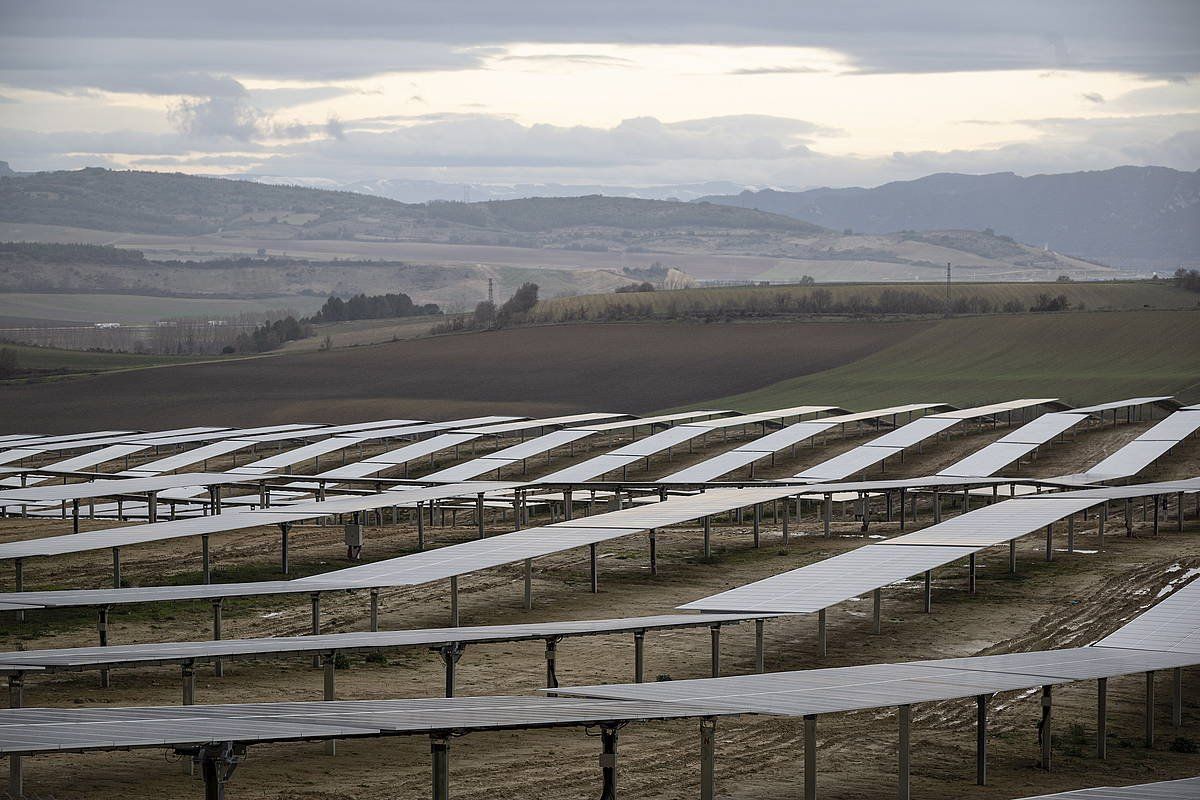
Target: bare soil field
(1072, 601)
(531, 371)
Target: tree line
(275, 333)
(514, 311)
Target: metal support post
(608, 762)
(821, 637)
(928, 591)
(374, 609)
(315, 599)
(102, 627)
(1044, 732)
(595, 568)
(971, 574)
(1177, 697)
(639, 656)
(188, 672)
(707, 538)
(19, 582)
(284, 529)
(1102, 718)
(1150, 708)
(708, 758)
(552, 662)
(453, 601)
(450, 654)
(218, 665)
(877, 598)
(204, 557)
(759, 646)
(1050, 542)
(810, 757)
(981, 728)
(904, 713)
(653, 552)
(439, 748)
(16, 772)
(479, 515)
(715, 631)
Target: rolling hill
(176, 215)
(1142, 216)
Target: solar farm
(921, 600)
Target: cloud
(218, 117)
(1093, 97)
(320, 41)
(774, 71)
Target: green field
(50, 359)
(757, 301)
(132, 309)
(1081, 358)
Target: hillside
(1128, 215)
(182, 217)
(1081, 358)
(1084, 357)
(178, 204)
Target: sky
(787, 94)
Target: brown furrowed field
(640, 367)
(531, 371)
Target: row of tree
(379, 306)
(514, 311)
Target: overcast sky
(791, 94)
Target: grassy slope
(1081, 357)
(49, 358)
(1092, 295)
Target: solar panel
(661, 419)
(831, 581)
(713, 468)
(104, 488)
(1176, 427)
(915, 432)
(1172, 625)
(1185, 789)
(40, 730)
(592, 468)
(996, 524)
(850, 462)
(1044, 428)
(989, 460)
(166, 652)
(817, 691)
(1133, 401)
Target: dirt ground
(1072, 601)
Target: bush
(644, 286)
(270, 335)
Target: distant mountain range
(1147, 217)
(414, 191)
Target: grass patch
(1079, 357)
